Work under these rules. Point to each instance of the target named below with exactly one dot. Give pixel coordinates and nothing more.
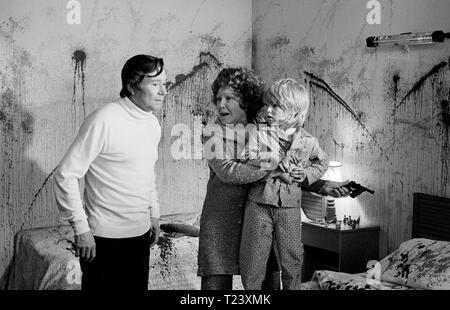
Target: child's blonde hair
(292, 98)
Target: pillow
(331, 280)
(420, 264)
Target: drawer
(315, 236)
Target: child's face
(275, 115)
(228, 107)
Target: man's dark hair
(136, 68)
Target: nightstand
(345, 250)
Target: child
(272, 214)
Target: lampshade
(334, 172)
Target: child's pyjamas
(272, 215)
(264, 226)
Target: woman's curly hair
(246, 84)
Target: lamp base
(330, 210)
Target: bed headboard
(431, 217)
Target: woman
(237, 95)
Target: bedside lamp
(332, 174)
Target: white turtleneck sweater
(115, 150)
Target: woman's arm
(234, 172)
(223, 161)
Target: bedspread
(44, 260)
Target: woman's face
(228, 108)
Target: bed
(44, 258)
(421, 263)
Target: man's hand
(155, 231)
(85, 246)
(335, 189)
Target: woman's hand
(298, 174)
(335, 189)
(283, 176)
(285, 165)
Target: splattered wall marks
(79, 60)
(445, 113)
(205, 59)
(278, 41)
(35, 196)
(212, 44)
(446, 142)
(420, 82)
(358, 117)
(208, 62)
(425, 112)
(79, 56)
(11, 113)
(395, 80)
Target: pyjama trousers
(265, 227)
(120, 264)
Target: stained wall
(54, 73)
(384, 112)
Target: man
(116, 150)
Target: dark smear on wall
(446, 142)
(11, 112)
(420, 82)
(443, 137)
(318, 82)
(9, 27)
(395, 80)
(190, 82)
(79, 60)
(362, 117)
(17, 126)
(212, 44)
(212, 40)
(445, 114)
(180, 78)
(305, 52)
(422, 125)
(27, 123)
(35, 196)
(254, 50)
(278, 41)
(7, 112)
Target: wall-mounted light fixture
(407, 39)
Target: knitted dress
(223, 209)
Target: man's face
(150, 93)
